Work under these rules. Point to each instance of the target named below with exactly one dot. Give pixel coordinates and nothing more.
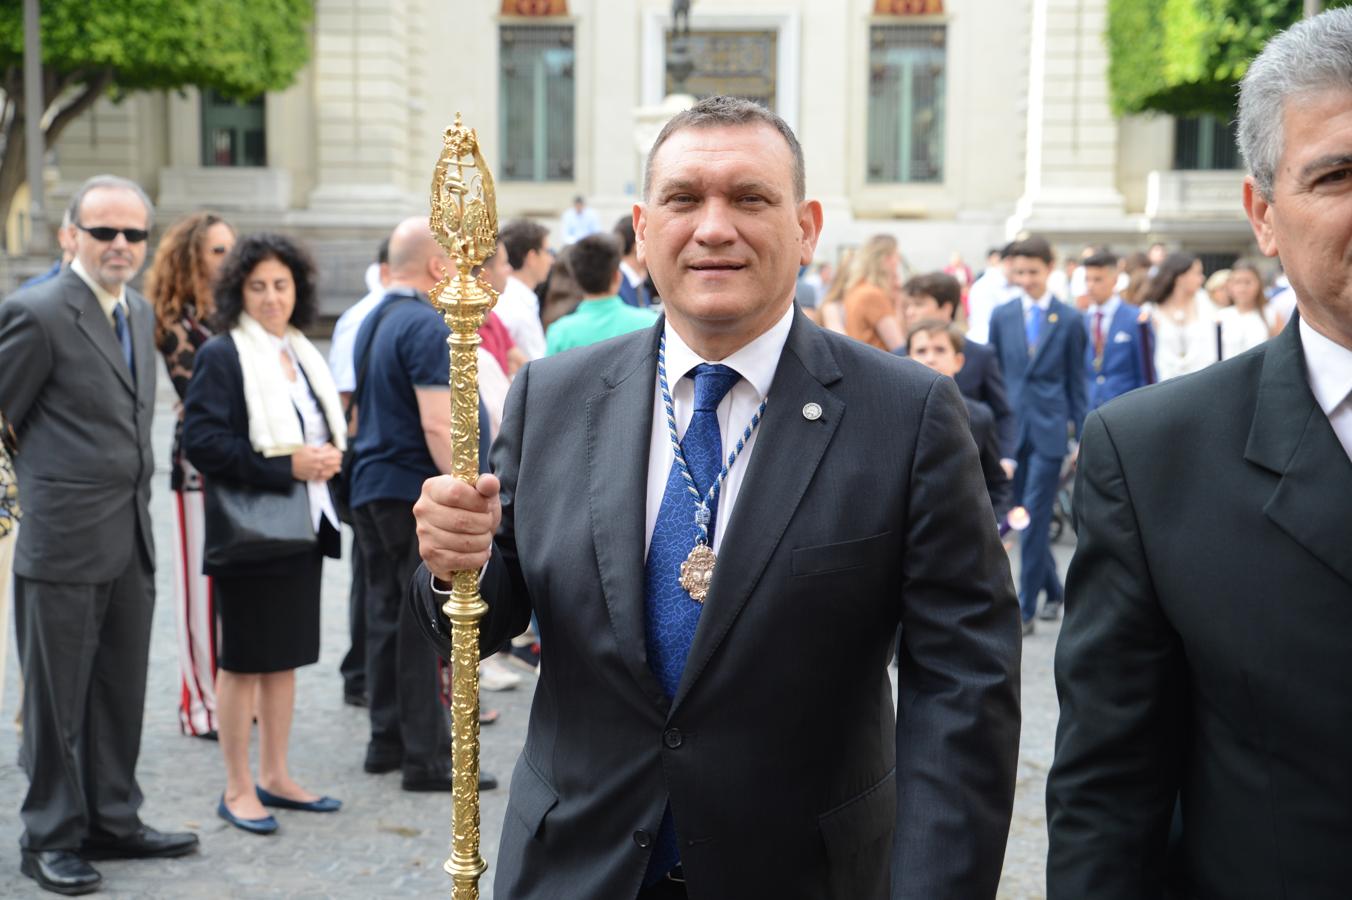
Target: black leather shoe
(60, 871)
(381, 758)
(144, 844)
(442, 782)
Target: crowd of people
(627, 383)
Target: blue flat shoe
(265, 825)
(323, 804)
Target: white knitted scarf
(274, 427)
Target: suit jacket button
(673, 738)
(643, 839)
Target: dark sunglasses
(105, 234)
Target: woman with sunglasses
(179, 285)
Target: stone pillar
(363, 121)
(1071, 160)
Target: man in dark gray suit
(733, 736)
(78, 383)
(1206, 657)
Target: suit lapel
(1016, 332)
(783, 463)
(619, 425)
(143, 345)
(1051, 329)
(91, 321)
(1291, 436)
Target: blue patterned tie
(671, 615)
(124, 338)
(1034, 327)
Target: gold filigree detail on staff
(464, 220)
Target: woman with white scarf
(262, 411)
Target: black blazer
(1206, 654)
(980, 379)
(786, 772)
(998, 486)
(216, 441)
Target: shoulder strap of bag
(385, 307)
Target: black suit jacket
(1206, 655)
(981, 380)
(216, 442)
(998, 485)
(83, 426)
(786, 775)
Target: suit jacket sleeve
(502, 586)
(27, 361)
(1077, 380)
(1120, 680)
(958, 682)
(997, 482)
(993, 395)
(216, 424)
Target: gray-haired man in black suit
(78, 383)
(1206, 657)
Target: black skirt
(270, 623)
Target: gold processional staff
(464, 220)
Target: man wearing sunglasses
(78, 384)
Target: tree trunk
(91, 87)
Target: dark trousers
(402, 682)
(353, 666)
(1035, 485)
(84, 652)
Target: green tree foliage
(1186, 57)
(90, 48)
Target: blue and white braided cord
(703, 504)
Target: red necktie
(1098, 335)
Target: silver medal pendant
(697, 572)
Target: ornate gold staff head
(464, 220)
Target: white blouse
(1185, 347)
(1241, 331)
(316, 429)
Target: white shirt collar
(1043, 302)
(1328, 365)
(1107, 307)
(630, 275)
(106, 300)
(756, 362)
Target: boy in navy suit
(1041, 344)
(1114, 357)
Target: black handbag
(341, 484)
(246, 524)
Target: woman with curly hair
(262, 415)
(179, 285)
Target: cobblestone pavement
(385, 842)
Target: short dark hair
(624, 231)
(383, 252)
(938, 326)
(1100, 259)
(594, 260)
(239, 265)
(944, 288)
(722, 111)
(1007, 250)
(1034, 246)
(1162, 282)
(520, 237)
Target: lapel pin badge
(812, 411)
(1052, 317)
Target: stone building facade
(953, 124)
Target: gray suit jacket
(785, 773)
(84, 462)
(1204, 667)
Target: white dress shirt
(988, 292)
(106, 300)
(1329, 367)
(756, 363)
(344, 343)
(519, 310)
